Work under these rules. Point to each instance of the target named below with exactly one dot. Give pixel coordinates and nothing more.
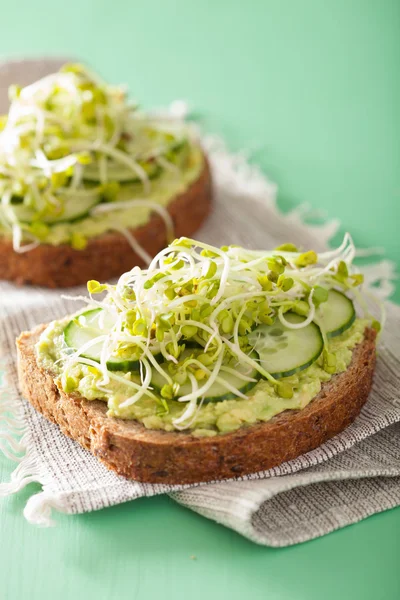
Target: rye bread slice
(108, 255)
(135, 452)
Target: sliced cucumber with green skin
(75, 207)
(120, 173)
(336, 314)
(284, 351)
(86, 327)
(123, 174)
(217, 392)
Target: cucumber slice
(86, 327)
(217, 392)
(336, 314)
(116, 172)
(284, 351)
(75, 207)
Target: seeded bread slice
(135, 452)
(108, 255)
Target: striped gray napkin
(350, 477)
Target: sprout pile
(194, 308)
(72, 136)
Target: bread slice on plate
(212, 363)
(135, 452)
(90, 185)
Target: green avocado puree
(214, 418)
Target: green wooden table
(314, 87)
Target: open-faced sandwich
(211, 363)
(90, 185)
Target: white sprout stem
(164, 252)
(252, 263)
(223, 279)
(167, 165)
(76, 355)
(160, 210)
(158, 368)
(105, 354)
(231, 388)
(201, 326)
(289, 256)
(117, 132)
(127, 382)
(247, 359)
(79, 298)
(221, 380)
(17, 241)
(192, 404)
(136, 247)
(140, 393)
(80, 193)
(237, 323)
(185, 256)
(203, 390)
(174, 339)
(182, 299)
(119, 156)
(183, 422)
(214, 335)
(77, 178)
(307, 321)
(237, 374)
(166, 354)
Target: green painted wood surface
(314, 87)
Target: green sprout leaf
(306, 259)
(39, 230)
(78, 241)
(342, 272)
(150, 282)
(95, 287)
(276, 265)
(212, 269)
(320, 295)
(376, 325)
(357, 278)
(287, 248)
(110, 191)
(265, 283)
(285, 283)
(189, 330)
(284, 390)
(329, 362)
(167, 392)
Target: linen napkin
(350, 477)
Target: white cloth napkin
(350, 477)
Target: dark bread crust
(135, 452)
(108, 255)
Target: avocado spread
(262, 404)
